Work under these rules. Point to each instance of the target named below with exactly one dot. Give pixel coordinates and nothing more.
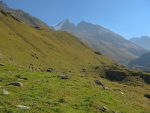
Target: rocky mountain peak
(66, 24)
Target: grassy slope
(43, 92)
(20, 44)
(54, 49)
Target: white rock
(22, 107)
(5, 92)
(122, 93)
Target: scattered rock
(104, 109)
(101, 84)
(5, 92)
(1, 80)
(63, 76)
(83, 70)
(22, 107)
(23, 78)
(62, 100)
(106, 88)
(121, 93)
(31, 67)
(20, 77)
(98, 53)
(98, 82)
(36, 26)
(50, 70)
(19, 84)
(96, 67)
(2, 64)
(147, 96)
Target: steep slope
(23, 45)
(103, 40)
(22, 15)
(143, 41)
(39, 49)
(142, 62)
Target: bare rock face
(18, 84)
(115, 75)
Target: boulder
(5, 92)
(104, 109)
(101, 84)
(1, 80)
(2, 64)
(18, 84)
(62, 100)
(50, 70)
(23, 78)
(98, 53)
(147, 96)
(115, 75)
(22, 107)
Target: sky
(129, 18)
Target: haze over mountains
(47, 71)
(103, 40)
(142, 62)
(143, 41)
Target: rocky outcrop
(126, 75)
(115, 75)
(146, 78)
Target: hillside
(23, 45)
(103, 40)
(47, 71)
(143, 41)
(142, 62)
(20, 14)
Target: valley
(62, 69)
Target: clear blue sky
(129, 18)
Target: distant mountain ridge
(103, 40)
(143, 41)
(142, 62)
(22, 15)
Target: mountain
(142, 62)
(26, 46)
(43, 71)
(22, 15)
(143, 41)
(103, 40)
